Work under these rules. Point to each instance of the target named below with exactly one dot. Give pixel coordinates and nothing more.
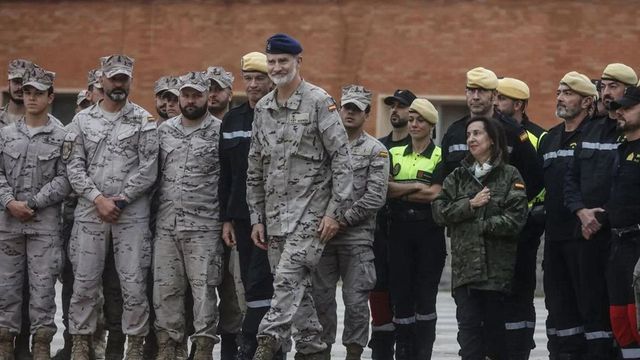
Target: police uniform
(32, 171)
(299, 171)
(349, 256)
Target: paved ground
(446, 346)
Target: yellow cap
(513, 88)
(254, 61)
(482, 78)
(579, 83)
(426, 109)
(620, 72)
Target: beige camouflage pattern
(188, 249)
(7, 118)
(299, 171)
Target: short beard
(162, 113)
(566, 113)
(16, 100)
(195, 114)
(118, 95)
(283, 80)
(399, 124)
(626, 127)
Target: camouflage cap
(82, 96)
(93, 78)
(38, 77)
(161, 85)
(173, 85)
(17, 68)
(221, 76)
(117, 64)
(196, 80)
(357, 95)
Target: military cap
(630, 98)
(356, 95)
(38, 77)
(283, 44)
(513, 88)
(426, 109)
(403, 96)
(173, 85)
(17, 68)
(220, 75)
(93, 78)
(117, 64)
(161, 85)
(482, 78)
(196, 80)
(254, 61)
(620, 72)
(579, 83)
(82, 96)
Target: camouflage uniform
(111, 157)
(188, 249)
(31, 167)
(299, 171)
(349, 256)
(6, 118)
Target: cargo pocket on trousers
(366, 277)
(214, 270)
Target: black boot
(381, 345)
(404, 341)
(519, 355)
(247, 345)
(424, 337)
(228, 346)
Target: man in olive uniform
(113, 165)
(298, 181)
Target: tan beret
(620, 72)
(513, 88)
(579, 83)
(482, 78)
(426, 109)
(254, 61)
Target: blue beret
(283, 44)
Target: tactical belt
(409, 215)
(626, 231)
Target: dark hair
(496, 134)
(367, 109)
(50, 90)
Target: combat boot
(204, 348)
(81, 347)
(115, 345)
(135, 348)
(266, 348)
(41, 349)
(354, 351)
(6, 345)
(100, 344)
(21, 346)
(182, 351)
(166, 346)
(381, 345)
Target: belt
(625, 231)
(409, 215)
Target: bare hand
(228, 234)
(481, 199)
(343, 226)
(328, 228)
(107, 209)
(590, 225)
(257, 235)
(20, 210)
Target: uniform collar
(294, 101)
(47, 128)
(426, 153)
(97, 111)
(360, 140)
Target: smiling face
(283, 68)
(479, 141)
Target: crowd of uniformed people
(209, 225)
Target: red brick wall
(426, 46)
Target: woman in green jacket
(484, 206)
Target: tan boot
(266, 348)
(135, 348)
(81, 347)
(354, 352)
(204, 348)
(6, 344)
(166, 346)
(41, 348)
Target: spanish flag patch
(518, 186)
(383, 154)
(150, 118)
(523, 136)
(332, 107)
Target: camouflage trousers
(354, 265)
(132, 256)
(183, 258)
(293, 259)
(231, 295)
(43, 257)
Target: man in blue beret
(299, 180)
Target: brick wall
(426, 46)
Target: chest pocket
(47, 160)
(203, 156)
(306, 137)
(127, 142)
(360, 164)
(165, 152)
(91, 143)
(11, 160)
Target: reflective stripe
(428, 317)
(236, 134)
(552, 332)
(385, 327)
(557, 154)
(259, 303)
(521, 325)
(570, 332)
(458, 147)
(630, 353)
(509, 149)
(404, 321)
(531, 324)
(594, 335)
(599, 146)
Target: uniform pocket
(366, 277)
(310, 146)
(47, 164)
(11, 160)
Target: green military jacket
(483, 240)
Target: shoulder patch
(524, 136)
(518, 186)
(332, 107)
(383, 154)
(150, 118)
(396, 169)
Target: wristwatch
(31, 203)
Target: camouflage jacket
(483, 240)
(299, 164)
(112, 157)
(5, 117)
(31, 166)
(370, 161)
(190, 169)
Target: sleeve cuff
(6, 200)
(93, 194)
(257, 218)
